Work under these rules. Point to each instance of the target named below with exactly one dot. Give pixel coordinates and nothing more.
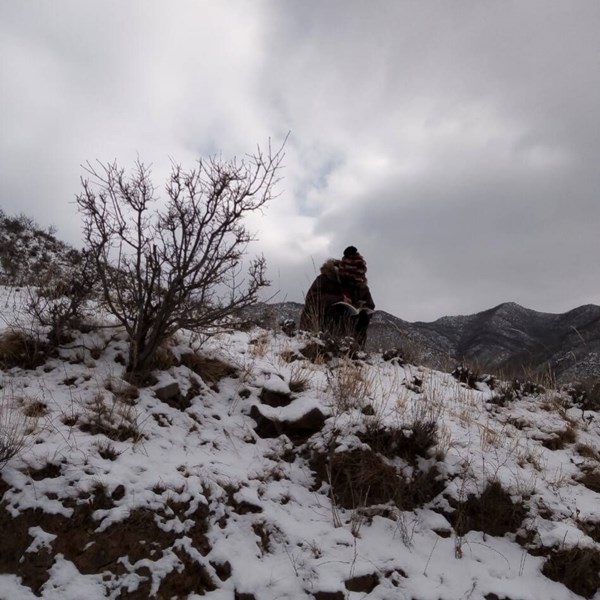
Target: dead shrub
(409, 442)
(350, 385)
(34, 409)
(576, 568)
(363, 478)
(111, 417)
(300, 378)
(163, 359)
(107, 451)
(18, 349)
(494, 512)
(61, 300)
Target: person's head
(353, 267)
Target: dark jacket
(327, 289)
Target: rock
(329, 595)
(364, 583)
(298, 430)
(274, 398)
(167, 391)
(265, 427)
(307, 425)
(222, 569)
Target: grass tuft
(576, 568)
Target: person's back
(340, 281)
(325, 290)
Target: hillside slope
(261, 467)
(28, 253)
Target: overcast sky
(456, 144)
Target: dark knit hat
(353, 266)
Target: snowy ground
(249, 516)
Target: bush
(178, 266)
(494, 512)
(577, 568)
(410, 442)
(61, 299)
(18, 349)
(361, 477)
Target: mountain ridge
(507, 337)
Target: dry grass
(361, 477)
(107, 451)
(210, 370)
(494, 512)
(350, 386)
(14, 429)
(409, 442)
(164, 358)
(259, 346)
(576, 568)
(122, 390)
(106, 414)
(34, 408)
(300, 378)
(559, 439)
(18, 349)
(587, 451)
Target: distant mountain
(507, 338)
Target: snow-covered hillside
(28, 253)
(256, 467)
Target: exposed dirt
(138, 537)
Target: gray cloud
(455, 144)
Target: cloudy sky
(456, 144)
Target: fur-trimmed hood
(330, 268)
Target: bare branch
(164, 269)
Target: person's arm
(365, 298)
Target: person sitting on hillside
(335, 300)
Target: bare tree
(177, 266)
